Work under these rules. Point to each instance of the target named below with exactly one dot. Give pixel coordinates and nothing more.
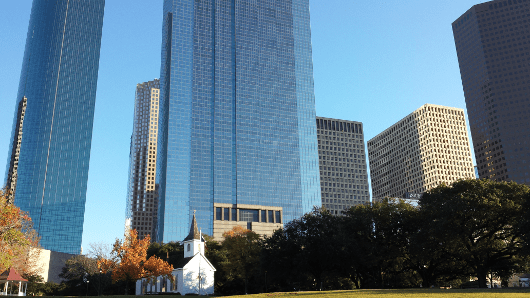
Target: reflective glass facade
(237, 112)
(58, 79)
(492, 45)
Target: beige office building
(263, 220)
(426, 148)
(142, 198)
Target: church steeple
(194, 230)
(193, 244)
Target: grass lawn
(408, 293)
(412, 293)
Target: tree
(478, 222)
(242, 250)
(172, 252)
(430, 256)
(308, 253)
(377, 244)
(17, 236)
(76, 272)
(129, 261)
(35, 285)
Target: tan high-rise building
(142, 198)
(12, 174)
(426, 148)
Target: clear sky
(374, 61)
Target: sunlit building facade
(142, 200)
(52, 127)
(426, 148)
(237, 112)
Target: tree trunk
(482, 278)
(427, 279)
(246, 285)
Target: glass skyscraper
(237, 112)
(492, 45)
(52, 127)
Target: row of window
(339, 126)
(247, 215)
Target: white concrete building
(195, 274)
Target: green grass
(408, 293)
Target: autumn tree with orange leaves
(17, 237)
(129, 261)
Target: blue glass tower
(237, 113)
(51, 150)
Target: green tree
(35, 285)
(76, 272)
(480, 219)
(309, 253)
(431, 256)
(242, 250)
(378, 242)
(172, 252)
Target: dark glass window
(263, 216)
(226, 214)
(278, 218)
(218, 213)
(234, 214)
(271, 216)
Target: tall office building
(237, 113)
(142, 200)
(342, 160)
(426, 148)
(52, 129)
(492, 45)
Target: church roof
(194, 230)
(183, 262)
(11, 275)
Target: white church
(195, 274)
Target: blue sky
(374, 61)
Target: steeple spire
(194, 230)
